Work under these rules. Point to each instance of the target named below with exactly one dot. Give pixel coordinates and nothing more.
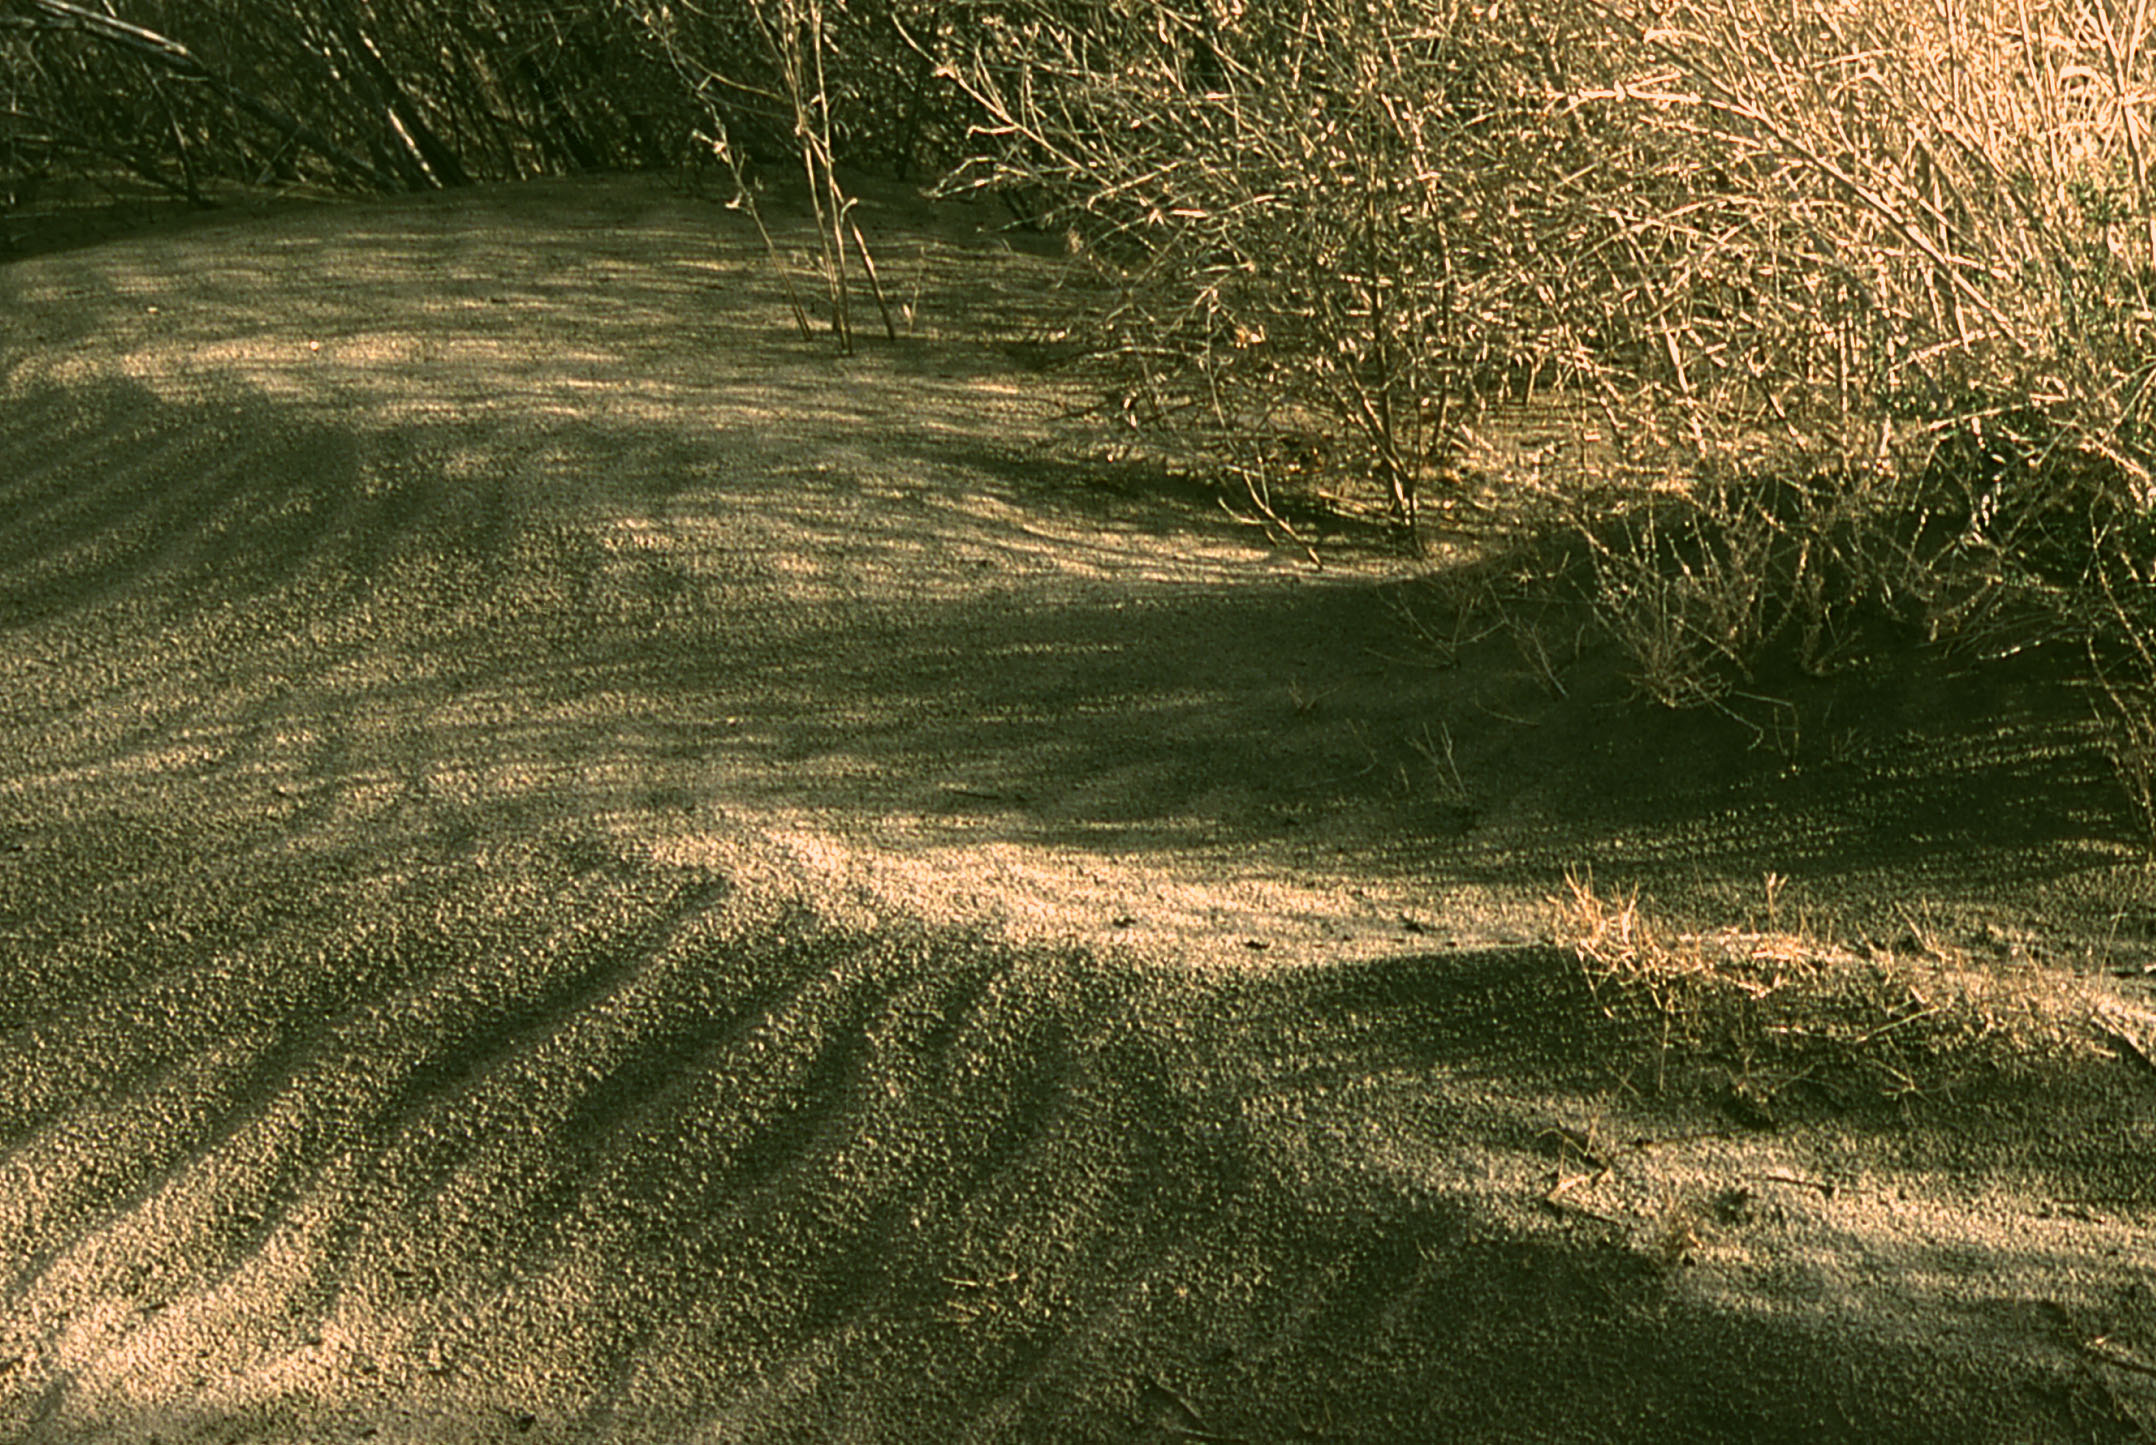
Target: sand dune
(574, 868)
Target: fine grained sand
(575, 868)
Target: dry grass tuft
(1779, 1009)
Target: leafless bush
(1755, 245)
(187, 99)
(796, 39)
(1848, 310)
(1319, 213)
(1951, 320)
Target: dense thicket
(1822, 327)
(389, 94)
(357, 94)
(1826, 329)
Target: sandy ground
(575, 868)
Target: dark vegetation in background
(1819, 334)
(383, 95)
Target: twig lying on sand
(1196, 1429)
(1565, 1184)
(2102, 1349)
(2125, 1042)
(1827, 1188)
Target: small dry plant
(1777, 1008)
(798, 40)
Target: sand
(574, 867)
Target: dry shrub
(799, 40)
(1777, 1009)
(1320, 216)
(192, 98)
(1833, 328)
(1907, 318)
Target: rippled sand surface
(574, 868)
